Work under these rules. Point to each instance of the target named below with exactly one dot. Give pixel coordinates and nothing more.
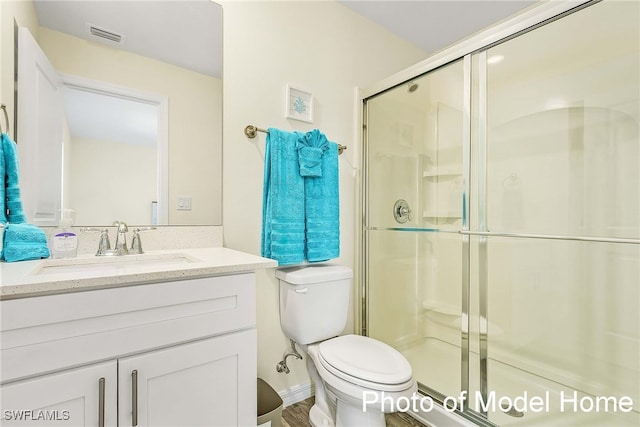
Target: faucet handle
(136, 242)
(104, 244)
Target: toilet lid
(367, 359)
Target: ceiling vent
(100, 34)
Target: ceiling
(187, 33)
(166, 30)
(435, 24)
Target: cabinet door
(78, 397)
(205, 383)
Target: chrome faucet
(104, 246)
(121, 238)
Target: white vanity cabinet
(180, 353)
(75, 397)
(196, 384)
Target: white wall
(323, 48)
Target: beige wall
(323, 48)
(195, 116)
(89, 187)
(24, 14)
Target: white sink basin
(112, 264)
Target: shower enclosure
(501, 222)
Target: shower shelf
(442, 314)
(440, 308)
(450, 214)
(446, 173)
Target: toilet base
(318, 418)
(348, 416)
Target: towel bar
(6, 118)
(251, 131)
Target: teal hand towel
(283, 232)
(24, 242)
(311, 148)
(322, 205)
(12, 201)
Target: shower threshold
(436, 364)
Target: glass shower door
(528, 296)
(558, 221)
(413, 212)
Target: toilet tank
(314, 301)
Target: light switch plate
(184, 203)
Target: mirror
(100, 159)
(152, 69)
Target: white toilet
(346, 370)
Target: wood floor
(297, 415)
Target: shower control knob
(401, 211)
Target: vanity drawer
(47, 333)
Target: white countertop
(26, 278)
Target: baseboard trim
(297, 393)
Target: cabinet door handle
(101, 402)
(134, 398)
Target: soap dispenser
(64, 241)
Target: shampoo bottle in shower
(64, 241)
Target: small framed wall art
(299, 105)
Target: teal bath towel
(322, 203)
(3, 184)
(24, 242)
(283, 227)
(12, 207)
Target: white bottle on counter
(63, 242)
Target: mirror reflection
(131, 151)
(140, 89)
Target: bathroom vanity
(167, 338)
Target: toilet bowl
(363, 377)
(357, 379)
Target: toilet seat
(366, 362)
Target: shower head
(413, 86)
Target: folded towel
(13, 202)
(24, 242)
(322, 204)
(283, 228)
(311, 147)
(3, 181)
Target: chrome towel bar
(251, 131)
